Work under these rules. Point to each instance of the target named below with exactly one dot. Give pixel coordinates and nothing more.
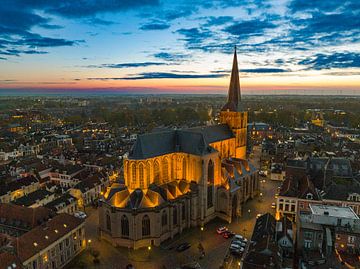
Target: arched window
(165, 167)
(108, 222)
(175, 218)
(210, 187)
(148, 174)
(211, 172)
(141, 175)
(157, 172)
(183, 211)
(124, 226)
(146, 226)
(184, 168)
(164, 218)
(133, 173)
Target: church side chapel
(177, 179)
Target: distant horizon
(113, 92)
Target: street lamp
(149, 249)
(201, 232)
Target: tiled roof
(17, 184)
(39, 238)
(61, 202)
(23, 216)
(32, 198)
(9, 261)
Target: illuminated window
(141, 176)
(165, 167)
(157, 172)
(148, 174)
(133, 173)
(184, 168)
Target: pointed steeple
(234, 96)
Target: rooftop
(333, 211)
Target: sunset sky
(149, 46)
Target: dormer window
(309, 196)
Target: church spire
(234, 96)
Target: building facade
(178, 179)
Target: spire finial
(234, 88)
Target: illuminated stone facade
(179, 179)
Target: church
(177, 179)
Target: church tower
(233, 113)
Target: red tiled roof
(31, 216)
(39, 238)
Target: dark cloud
(15, 31)
(154, 25)
(216, 21)
(335, 60)
(161, 75)
(17, 52)
(246, 29)
(126, 65)
(194, 36)
(320, 5)
(51, 26)
(168, 56)
(253, 70)
(81, 8)
(264, 70)
(98, 21)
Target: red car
(221, 230)
(228, 234)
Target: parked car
(182, 247)
(237, 251)
(262, 173)
(238, 237)
(239, 243)
(228, 234)
(221, 230)
(80, 215)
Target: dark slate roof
(341, 192)
(193, 141)
(214, 133)
(62, 201)
(32, 198)
(17, 184)
(264, 226)
(135, 199)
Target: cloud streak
(161, 75)
(127, 65)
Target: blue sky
(180, 46)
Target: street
(215, 246)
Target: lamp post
(149, 253)
(201, 233)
